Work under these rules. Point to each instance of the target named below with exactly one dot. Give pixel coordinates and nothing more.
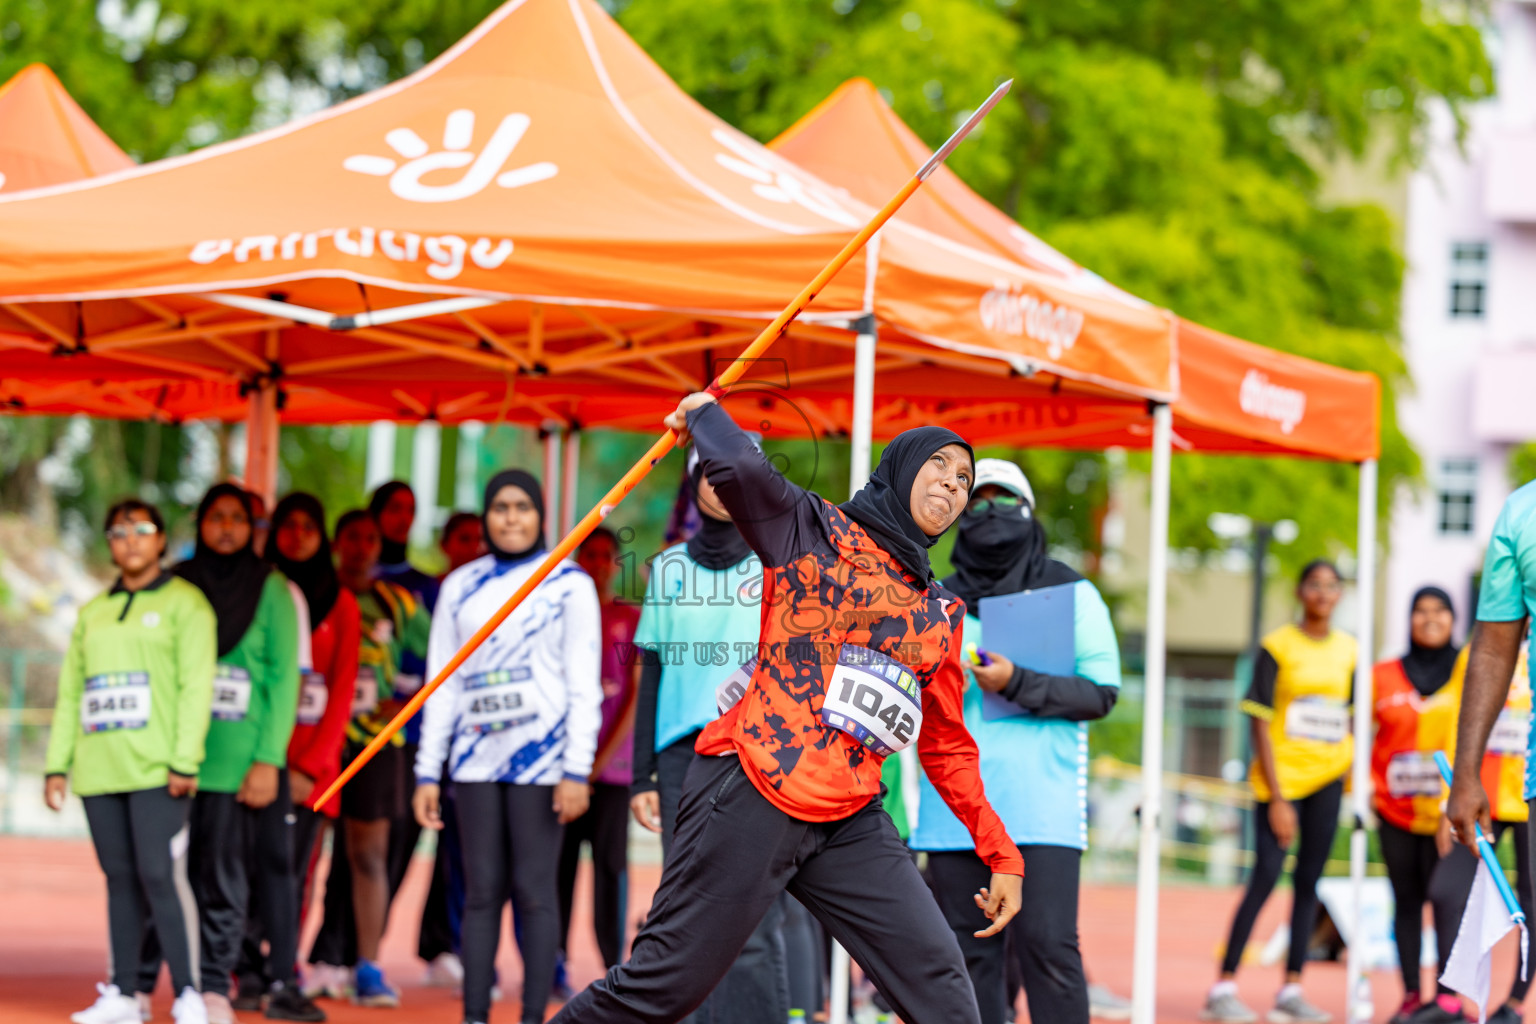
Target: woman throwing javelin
(858, 646)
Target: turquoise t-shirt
(1509, 582)
(1035, 770)
(704, 625)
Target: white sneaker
(327, 981)
(445, 971)
(111, 1007)
(217, 1009)
(146, 1006)
(189, 1007)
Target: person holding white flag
(1505, 603)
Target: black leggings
(1317, 820)
(1043, 938)
(511, 838)
(1419, 874)
(606, 827)
(734, 854)
(141, 841)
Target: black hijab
(316, 576)
(529, 485)
(883, 506)
(716, 544)
(1429, 668)
(1002, 551)
(391, 552)
(231, 583)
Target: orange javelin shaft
(664, 443)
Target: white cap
(1004, 474)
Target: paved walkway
(53, 945)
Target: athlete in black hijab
(315, 576)
(852, 627)
(1429, 668)
(529, 485)
(884, 505)
(717, 544)
(231, 581)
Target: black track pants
(1317, 819)
(1043, 937)
(511, 839)
(223, 833)
(141, 843)
(606, 827)
(273, 913)
(732, 856)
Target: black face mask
(716, 544)
(1002, 551)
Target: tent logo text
(1014, 312)
(405, 179)
(774, 180)
(445, 253)
(1258, 397)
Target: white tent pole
(466, 467)
(380, 467)
(426, 457)
(1359, 989)
(1149, 852)
(552, 532)
(568, 480)
(859, 467)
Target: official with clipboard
(1043, 661)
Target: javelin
(637, 472)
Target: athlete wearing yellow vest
(1298, 704)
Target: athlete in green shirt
(255, 704)
(129, 727)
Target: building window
(1458, 495)
(1469, 280)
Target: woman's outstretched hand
(678, 420)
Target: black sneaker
(249, 991)
(287, 1003)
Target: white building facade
(1469, 329)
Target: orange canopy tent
(45, 138)
(538, 226)
(1232, 396)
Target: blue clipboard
(1036, 629)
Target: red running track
(53, 945)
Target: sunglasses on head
(122, 531)
(981, 506)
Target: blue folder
(1036, 629)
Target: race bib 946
(874, 699)
(115, 700)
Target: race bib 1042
(493, 701)
(115, 700)
(1317, 719)
(1413, 773)
(874, 699)
(313, 697)
(1510, 733)
(231, 693)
